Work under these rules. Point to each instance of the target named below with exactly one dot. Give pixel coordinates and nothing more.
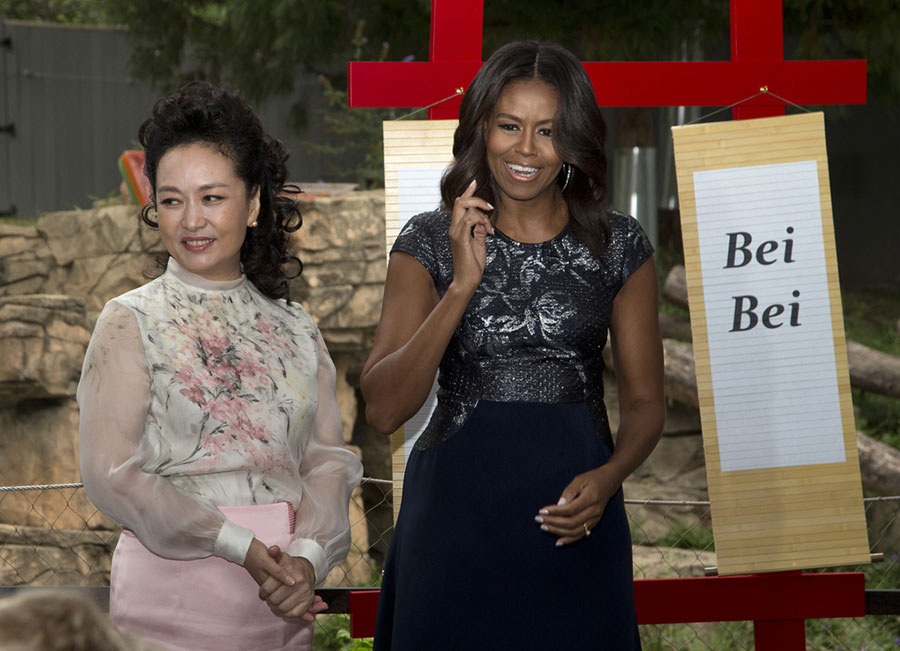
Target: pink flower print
(250, 370)
(214, 444)
(195, 394)
(185, 374)
(215, 346)
(224, 409)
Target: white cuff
(313, 552)
(233, 542)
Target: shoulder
(623, 226)
(292, 312)
(426, 238)
(139, 297)
(629, 247)
(627, 235)
(426, 224)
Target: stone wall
(55, 278)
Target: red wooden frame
(757, 60)
(777, 603)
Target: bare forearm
(396, 386)
(639, 430)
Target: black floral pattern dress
(519, 414)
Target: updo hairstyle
(202, 113)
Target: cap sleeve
(631, 242)
(419, 237)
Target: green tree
(54, 11)
(259, 47)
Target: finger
(581, 533)
(567, 529)
(293, 605)
(468, 212)
(568, 540)
(566, 507)
(271, 567)
(568, 502)
(269, 586)
(275, 553)
(470, 190)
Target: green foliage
(15, 220)
(871, 318)
(879, 416)
(55, 11)
(861, 29)
(259, 47)
(356, 132)
(332, 633)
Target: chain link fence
(60, 539)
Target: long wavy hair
(579, 133)
(201, 112)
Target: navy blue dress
(520, 413)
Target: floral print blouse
(196, 394)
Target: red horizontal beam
(407, 84)
(761, 597)
(648, 83)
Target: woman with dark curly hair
(209, 422)
(512, 532)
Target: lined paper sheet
(416, 154)
(761, 247)
(775, 406)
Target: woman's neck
(533, 221)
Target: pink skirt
(206, 604)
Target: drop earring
(568, 169)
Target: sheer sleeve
(329, 473)
(114, 398)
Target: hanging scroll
(416, 153)
(769, 346)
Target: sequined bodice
(535, 329)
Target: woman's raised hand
(469, 228)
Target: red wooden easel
(777, 603)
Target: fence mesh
(62, 539)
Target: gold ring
(587, 532)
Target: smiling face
(203, 210)
(520, 149)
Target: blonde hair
(56, 619)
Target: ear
(253, 211)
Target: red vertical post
(456, 32)
(757, 36)
(780, 635)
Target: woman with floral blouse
(209, 423)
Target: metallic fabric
(535, 329)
